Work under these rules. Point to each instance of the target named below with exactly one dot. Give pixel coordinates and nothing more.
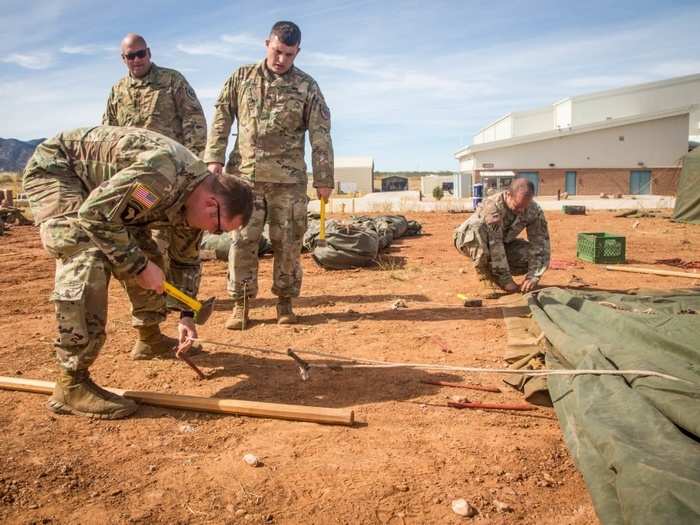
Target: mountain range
(14, 153)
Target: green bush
(438, 193)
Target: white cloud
(229, 46)
(243, 40)
(37, 60)
(88, 49)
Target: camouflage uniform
(161, 101)
(96, 193)
(489, 238)
(273, 113)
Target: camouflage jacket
(273, 114)
(161, 101)
(504, 226)
(115, 180)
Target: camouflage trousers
(472, 240)
(283, 207)
(81, 288)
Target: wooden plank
(652, 271)
(330, 416)
(522, 332)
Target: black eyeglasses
(218, 231)
(141, 53)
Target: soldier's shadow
(277, 380)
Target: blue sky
(408, 83)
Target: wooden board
(652, 271)
(330, 416)
(522, 331)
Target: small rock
(151, 469)
(32, 506)
(462, 508)
(240, 512)
(403, 487)
(399, 303)
(115, 492)
(187, 429)
(349, 311)
(502, 507)
(252, 460)
(459, 399)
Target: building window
(533, 177)
(640, 182)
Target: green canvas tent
(688, 193)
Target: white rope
(357, 362)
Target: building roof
(354, 162)
(563, 132)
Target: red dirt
(405, 463)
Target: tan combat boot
(238, 320)
(285, 315)
(488, 289)
(152, 344)
(75, 393)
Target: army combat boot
(75, 393)
(487, 287)
(152, 344)
(238, 320)
(285, 315)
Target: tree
(438, 193)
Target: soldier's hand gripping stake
(202, 311)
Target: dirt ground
(404, 463)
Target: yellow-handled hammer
(202, 311)
(322, 230)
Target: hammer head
(202, 315)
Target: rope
(357, 362)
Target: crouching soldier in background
(96, 193)
(489, 238)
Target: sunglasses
(218, 231)
(141, 53)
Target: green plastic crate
(600, 248)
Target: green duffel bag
(220, 245)
(346, 247)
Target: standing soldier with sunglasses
(155, 98)
(274, 104)
(161, 100)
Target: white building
(627, 140)
(428, 183)
(353, 174)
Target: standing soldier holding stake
(96, 193)
(275, 103)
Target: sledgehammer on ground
(202, 311)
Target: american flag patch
(144, 197)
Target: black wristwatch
(186, 313)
